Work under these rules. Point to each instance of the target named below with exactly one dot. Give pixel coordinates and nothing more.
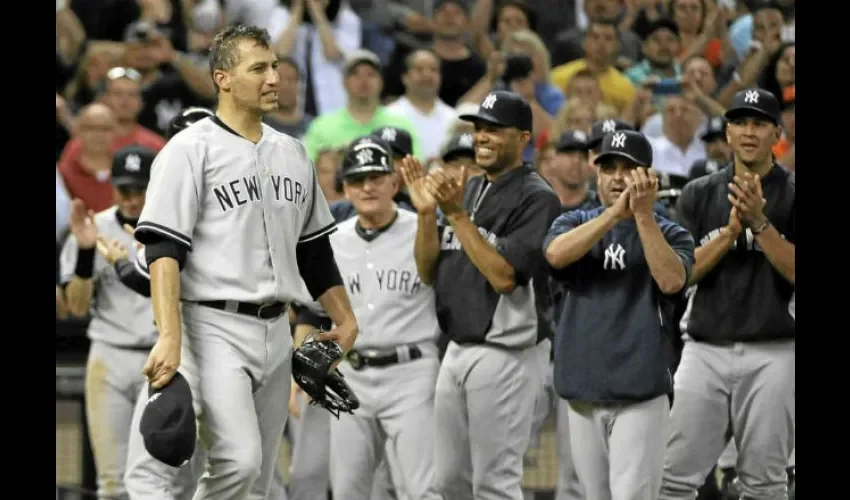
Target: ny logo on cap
(751, 97)
(133, 163)
(388, 134)
(579, 135)
(609, 126)
(364, 156)
(465, 140)
(489, 101)
(619, 140)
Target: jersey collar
(369, 235)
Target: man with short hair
(245, 199)
(362, 114)
(622, 264)
(289, 118)
(738, 364)
(568, 43)
(678, 147)
(717, 149)
(122, 92)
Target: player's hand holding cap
(628, 144)
(503, 109)
(367, 155)
(399, 140)
(602, 127)
(754, 103)
(168, 423)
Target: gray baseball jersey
(120, 316)
(239, 207)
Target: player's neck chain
(369, 234)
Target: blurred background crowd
(669, 68)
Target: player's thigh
(699, 419)
(589, 444)
(357, 444)
(452, 460)
(764, 416)
(636, 449)
(501, 388)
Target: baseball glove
(311, 369)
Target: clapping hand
(643, 190)
(747, 197)
(82, 225)
(447, 190)
(415, 179)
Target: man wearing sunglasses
(122, 92)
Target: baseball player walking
(483, 258)
(121, 329)
(245, 200)
(739, 354)
(620, 261)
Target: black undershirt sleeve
(164, 247)
(131, 278)
(317, 265)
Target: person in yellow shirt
(600, 48)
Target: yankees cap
(602, 127)
(716, 129)
(362, 56)
(131, 166)
(754, 102)
(628, 144)
(459, 145)
(504, 109)
(572, 140)
(367, 155)
(399, 140)
(168, 422)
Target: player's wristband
(85, 263)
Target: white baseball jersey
(120, 316)
(239, 207)
(390, 302)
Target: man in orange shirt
(785, 150)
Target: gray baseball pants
(754, 383)
(484, 408)
(620, 447)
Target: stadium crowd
(409, 68)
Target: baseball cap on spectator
(716, 129)
(362, 56)
(459, 145)
(367, 155)
(628, 144)
(503, 109)
(131, 166)
(168, 423)
(602, 127)
(753, 102)
(664, 23)
(572, 140)
(400, 141)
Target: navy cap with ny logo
(628, 144)
(756, 103)
(168, 423)
(503, 109)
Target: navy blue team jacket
(610, 341)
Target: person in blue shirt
(623, 265)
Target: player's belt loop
(403, 353)
(231, 306)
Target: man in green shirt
(362, 114)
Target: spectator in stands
(421, 104)
(698, 85)
(569, 44)
(547, 95)
(170, 80)
(88, 78)
(328, 164)
(774, 16)
(659, 66)
(701, 29)
(579, 114)
(64, 124)
(317, 36)
(600, 45)
(570, 172)
(122, 92)
(717, 151)
(785, 149)
(780, 72)
(363, 112)
(207, 17)
(289, 117)
(86, 169)
(510, 16)
(678, 147)
(460, 67)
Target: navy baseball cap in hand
(503, 109)
(399, 140)
(367, 155)
(572, 140)
(602, 127)
(131, 166)
(168, 423)
(756, 103)
(628, 144)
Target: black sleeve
(306, 316)
(131, 278)
(526, 230)
(159, 247)
(317, 265)
(686, 210)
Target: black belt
(361, 358)
(270, 310)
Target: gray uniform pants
(620, 447)
(729, 458)
(113, 380)
(754, 383)
(484, 408)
